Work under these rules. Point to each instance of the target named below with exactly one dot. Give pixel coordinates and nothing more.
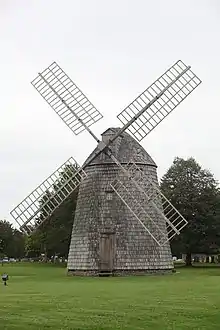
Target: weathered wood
(106, 235)
(107, 251)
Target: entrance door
(107, 251)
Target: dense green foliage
(53, 236)
(12, 242)
(195, 194)
(42, 297)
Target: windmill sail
(142, 115)
(129, 187)
(41, 203)
(66, 99)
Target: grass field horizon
(41, 296)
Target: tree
(56, 231)
(17, 249)
(11, 241)
(52, 237)
(33, 244)
(6, 236)
(195, 193)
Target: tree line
(191, 189)
(12, 241)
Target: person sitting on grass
(5, 278)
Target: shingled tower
(106, 236)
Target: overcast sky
(112, 50)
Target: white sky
(113, 50)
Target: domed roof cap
(125, 148)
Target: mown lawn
(42, 297)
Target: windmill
(123, 223)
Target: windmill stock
(123, 222)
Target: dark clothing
(5, 278)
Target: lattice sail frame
(170, 90)
(131, 174)
(31, 212)
(66, 99)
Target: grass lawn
(42, 297)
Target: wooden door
(107, 252)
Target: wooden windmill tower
(123, 223)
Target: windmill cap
(125, 148)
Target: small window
(109, 194)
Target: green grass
(42, 297)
